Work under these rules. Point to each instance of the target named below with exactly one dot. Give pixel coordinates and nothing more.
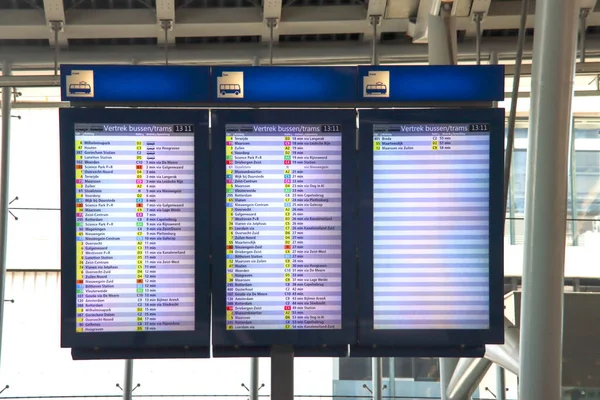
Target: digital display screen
(135, 243)
(283, 226)
(431, 247)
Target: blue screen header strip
(278, 85)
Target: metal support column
(546, 200)
(573, 185)
(128, 380)
(375, 54)
(271, 23)
(282, 372)
(254, 378)
(583, 15)
(500, 383)
(447, 367)
(477, 17)
(4, 195)
(377, 378)
(392, 385)
(166, 25)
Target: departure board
(284, 230)
(284, 226)
(135, 227)
(134, 243)
(432, 231)
(430, 226)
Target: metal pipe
(500, 383)
(447, 367)
(392, 385)
(546, 200)
(583, 15)
(374, 57)
(166, 44)
(4, 195)
(478, 17)
(573, 183)
(271, 27)
(128, 380)
(254, 378)
(56, 50)
(469, 373)
(29, 81)
(512, 118)
(377, 378)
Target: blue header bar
(284, 84)
(353, 86)
(436, 83)
(135, 84)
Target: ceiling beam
(243, 54)
(54, 12)
(419, 28)
(165, 11)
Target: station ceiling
(235, 31)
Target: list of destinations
(284, 227)
(135, 227)
(431, 226)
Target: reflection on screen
(431, 226)
(284, 226)
(135, 227)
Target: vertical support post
(166, 25)
(254, 378)
(477, 17)
(573, 185)
(377, 378)
(512, 118)
(4, 198)
(271, 25)
(546, 200)
(374, 55)
(447, 367)
(56, 27)
(583, 15)
(392, 385)
(282, 372)
(128, 380)
(500, 383)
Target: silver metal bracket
(375, 20)
(57, 26)
(166, 25)
(584, 12)
(272, 22)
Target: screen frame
(304, 337)
(435, 338)
(200, 337)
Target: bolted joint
(375, 20)
(57, 26)
(272, 22)
(584, 13)
(447, 6)
(166, 24)
(478, 17)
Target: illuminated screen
(431, 190)
(135, 227)
(284, 219)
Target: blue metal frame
(430, 341)
(259, 340)
(198, 340)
